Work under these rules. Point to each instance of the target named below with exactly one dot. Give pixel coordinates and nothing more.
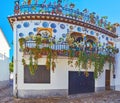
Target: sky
(108, 8)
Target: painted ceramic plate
(62, 26)
(53, 25)
(107, 38)
(21, 34)
(31, 33)
(92, 32)
(45, 24)
(71, 27)
(35, 29)
(18, 26)
(26, 24)
(103, 36)
(79, 29)
(55, 31)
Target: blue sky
(108, 8)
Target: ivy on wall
(83, 58)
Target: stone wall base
(50, 93)
(42, 93)
(117, 87)
(4, 84)
(98, 89)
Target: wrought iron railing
(63, 49)
(32, 44)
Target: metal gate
(79, 83)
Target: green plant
(21, 42)
(31, 66)
(84, 59)
(23, 61)
(38, 40)
(11, 65)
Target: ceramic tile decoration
(26, 24)
(103, 36)
(53, 25)
(35, 29)
(107, 38)
(45, 24)
(21, 34)
(92, 32)
(55, 30)
(31, 33)
(19, 26)
(79, 29)
(62, 26)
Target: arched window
(78, 37)
(90, 43)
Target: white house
(63, 27)
(4, 60)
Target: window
(42, 75)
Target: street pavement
(6, 96)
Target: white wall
(117, 68)
(4, 58)
(4, 69)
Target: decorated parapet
(56, 8)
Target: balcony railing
(63, 49)
(32, 44)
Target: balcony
(64, 49)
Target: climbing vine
(83, 59)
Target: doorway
(107, 80)
(79, 83)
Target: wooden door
(107, 80)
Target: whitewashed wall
(117, 68)
(4, 58)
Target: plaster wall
(117, 69)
